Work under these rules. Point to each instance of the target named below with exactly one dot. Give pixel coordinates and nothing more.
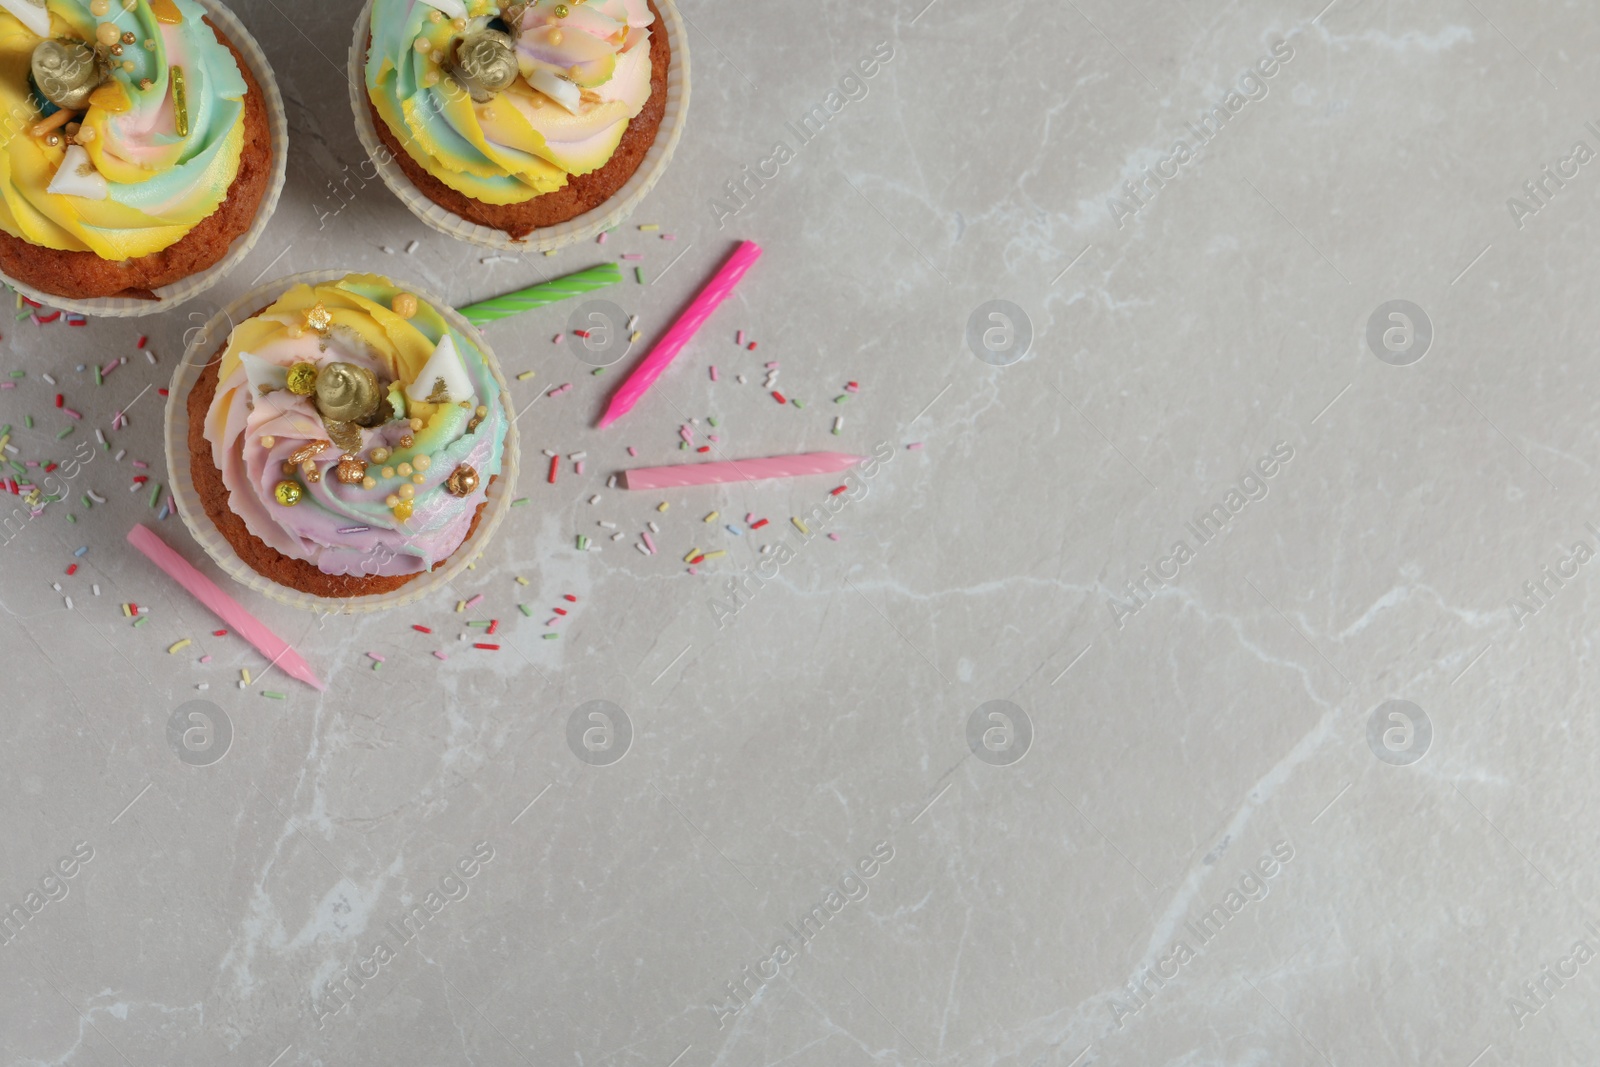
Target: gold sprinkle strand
(180, 100)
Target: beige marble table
(1201, 676)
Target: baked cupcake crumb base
(582, 193)
(297, 574)
(84, 275)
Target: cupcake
(516, 116)
(345, 438)
(135, 148)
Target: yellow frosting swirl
(582, 74)
(137, 185)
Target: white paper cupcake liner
(546, 238)
(199, 353)
(170, 296)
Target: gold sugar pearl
(107, 34)
(419, 478)
(149, 44)
(416, 423)
(86, 134)
(267, 441)
(422, 463)
(403, 470)
(437, 57)
(402, 510)
(481, 411)
(406, 492)
(424, 45)
(294, 331)
(379, 454)
(129, 5)
(391, 501)
(128, 37)
(458, 24)
(406, 440)
(369, 482)
(71, 129)
(556, 37)
(146, 84)
(404, 304)
(287, 493)
(100, 8)
(388, 472)
(435, 16)
(431, 79)
(128, 65)
(302, 378)
(288, 467)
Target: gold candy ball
(402, 510)
(369, 482)
(288, 493)
(406, 492)
(561, 11)
(406, 440)
(107, 34)
(350, 471)
(404, 305)
(421, 463)
(391, 501)
(462, 481)
(403, 470)
(302, 379)
(379, 454)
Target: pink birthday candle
(222, 605)
(738, 470)
(679, 333)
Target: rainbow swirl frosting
(126, 182)
(582, 72)
(394, 496)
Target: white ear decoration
(559, 89)
(453, 9)
(31, 13)
(263, 372)
(77, 176)
(445, 368)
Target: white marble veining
(418, 867)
